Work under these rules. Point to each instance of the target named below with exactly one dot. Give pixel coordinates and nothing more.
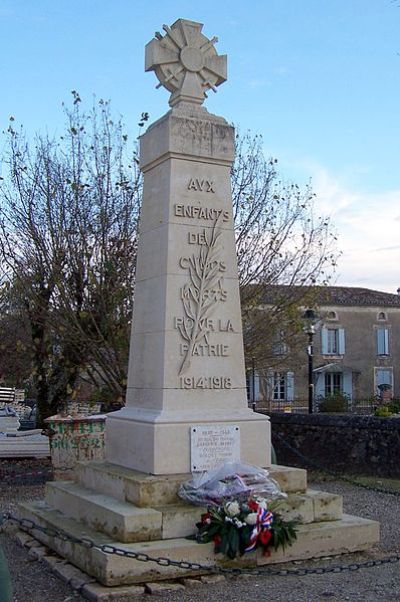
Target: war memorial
(186, 407)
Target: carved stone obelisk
(186, 366)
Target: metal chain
(27, 525)
(333, 473)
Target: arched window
(382, 315)
(332, 315)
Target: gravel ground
(33, 582)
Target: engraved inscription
(204, 213)
(213, 444)
(201, 185)
(196, 238)
(206, 350)
(210, 324)
(186, 262)
(205, 382)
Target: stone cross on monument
(186, 406)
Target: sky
(319, 79)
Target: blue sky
(320, 79)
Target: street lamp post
(253, 379)
(309, 317)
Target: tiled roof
(333, 295)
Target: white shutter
(324, 340)
(289, 386)
(348, 384)
(254, 393)
(342, 348)
(379, 342)
(382, 341)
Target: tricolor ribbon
(264, 521)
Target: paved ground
(34, 583)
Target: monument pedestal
(138, 512)
(160, 444)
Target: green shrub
(337, 402)
(394, 406)
(383, 412)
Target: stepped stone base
(349, 534)
(130, 510)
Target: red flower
(205, 518)
(217, 539)
(253, 505)
(265, 536)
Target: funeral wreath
(237, 527)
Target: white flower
(251, 518)
(262, 503)
(232, 508)
(228, 520)
(238, 523)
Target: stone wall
(354, 444)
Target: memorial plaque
(212, 445)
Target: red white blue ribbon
(264, 521)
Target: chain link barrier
(28, 525)
(332, 473)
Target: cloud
(367, 226)
(6, 12)
(258, 83)
(280, 70)
(395, 248)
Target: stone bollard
(74, 439)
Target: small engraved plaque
(213, 444)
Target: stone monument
(186, 366)
(186, 407)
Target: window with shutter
(279, 392)
(282, 386)
(333, 341)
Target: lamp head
(309, 315)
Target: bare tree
(68, 217)
(280, 241)
(15, 360)
(69, 212)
